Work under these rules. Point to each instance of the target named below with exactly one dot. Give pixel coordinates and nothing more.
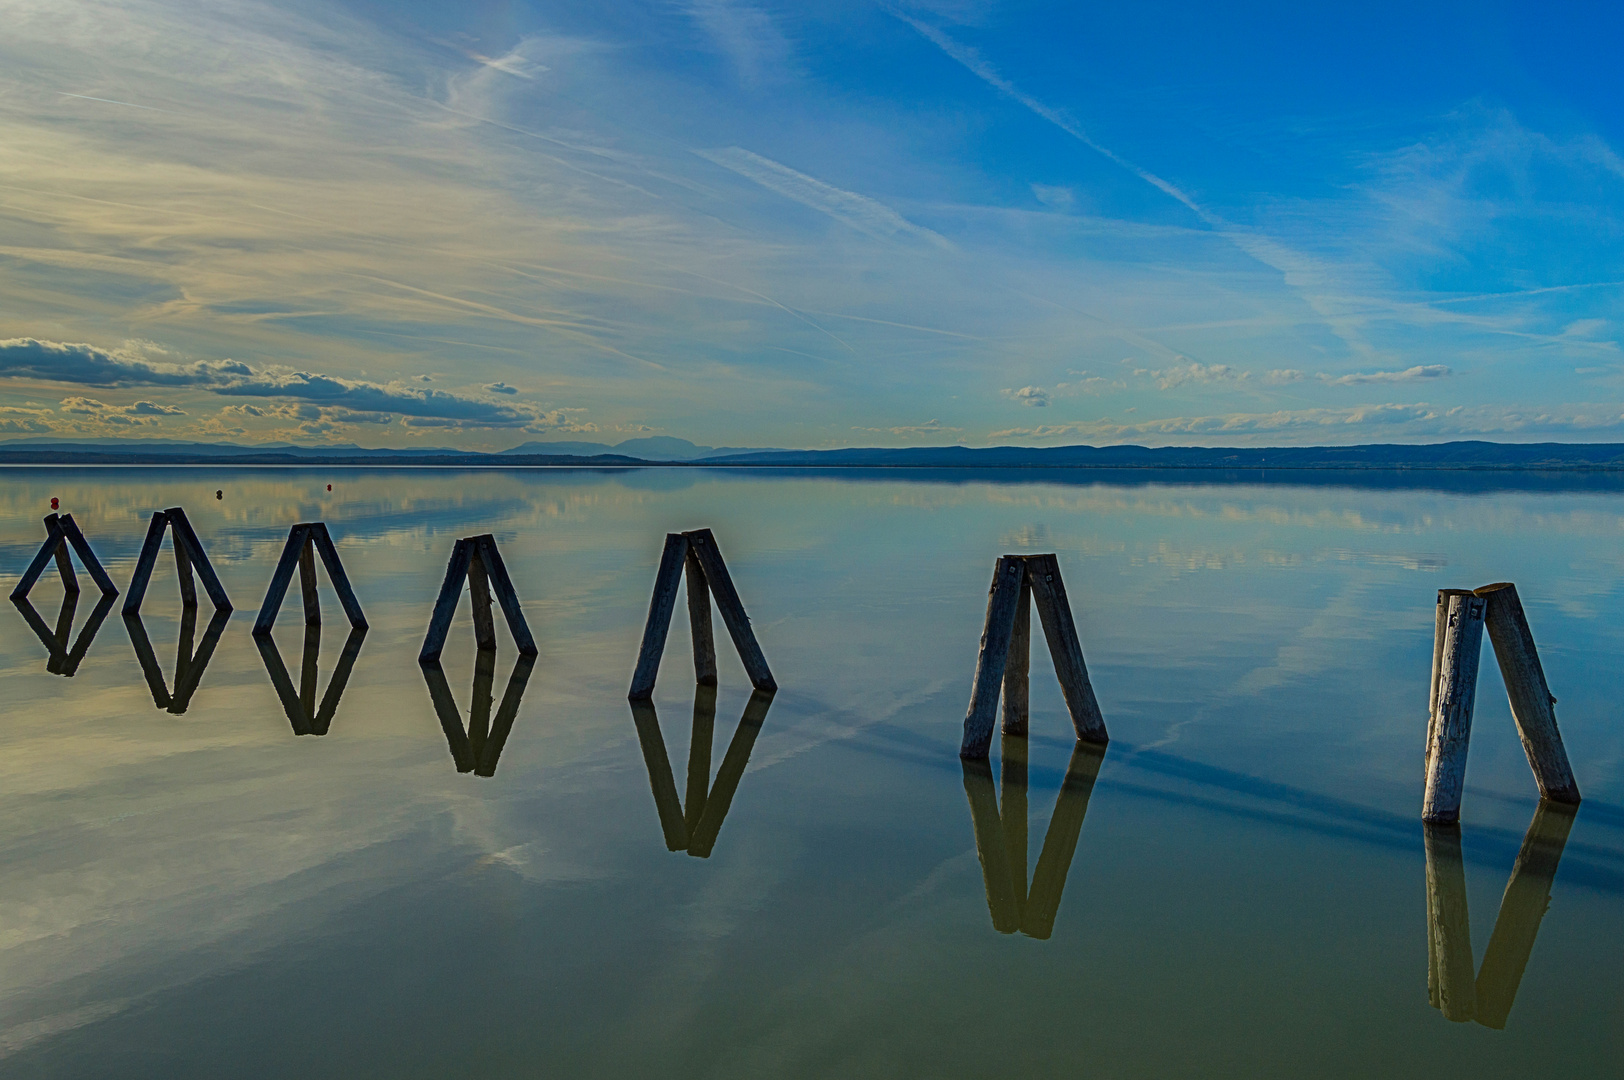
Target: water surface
(230, 870)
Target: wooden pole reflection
(1452, 988)
(1001, 838)
(695, 829)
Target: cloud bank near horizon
(758, 224)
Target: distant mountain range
(664, 451)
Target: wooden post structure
(694, 828)
(1532, 705)
(696, 554)
(61, 533)
(474, 559)
(189, 556)
(1461, 618)
(305, 541)
(1004, 659)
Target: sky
(811, 225)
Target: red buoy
(329, 488)
(56, 504)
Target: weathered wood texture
(1532, 705)
(281, 578)
(307, 582)
(42, 558)
(1457, 691)
(699, 623)
(445, 606)
(1440, 623)
(185, 534)
(703, 545)
(1018, 668)
(309, 673)
(1449, 930)
(1527, 896)
(1003, 596)
(183, 574)
(64, 568)
(87, 557)
(479, 595)
(1060, 630)
(336, 575)
(144, 563)
(506, 595)
(660, 606)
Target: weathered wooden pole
(1018, 668)
(1439, 627)
(703, 545)
(1532, 705)
(145, 562)
(307, 582)
(51, 549)
(1449, 930)
(1527, 896)
(199, 559)
(699, 622)
(1003, 597)
(479, 593)
(660, 606)
(1457, 691)
(1060, 630)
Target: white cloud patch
(747, 36)
(501, 388)
(928, 428)
(1421, 371)
(1191, 371)
(1034, 396)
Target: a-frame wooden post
(1458, 628)
(63, 660)
(1003, 662)
(474, 559)
(695, 554)
(189, 663)
(60, 533)
(189, 556)
(300, 704)
(305, 540)
(477, 747)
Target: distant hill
(662, 451)
(651, 448)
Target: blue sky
(810, 225)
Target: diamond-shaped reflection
(300, 705)
(1001, 837)
(694, 828)
(64, 660)
(476, 748)
(189, 663)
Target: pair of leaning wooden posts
(1462, 616)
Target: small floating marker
(696, 552)
(219, 494)
(329, 487)
(1004, 662)
(56, 504)
(1461, 619)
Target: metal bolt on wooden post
(1457, 691)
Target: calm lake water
(1239, 887)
